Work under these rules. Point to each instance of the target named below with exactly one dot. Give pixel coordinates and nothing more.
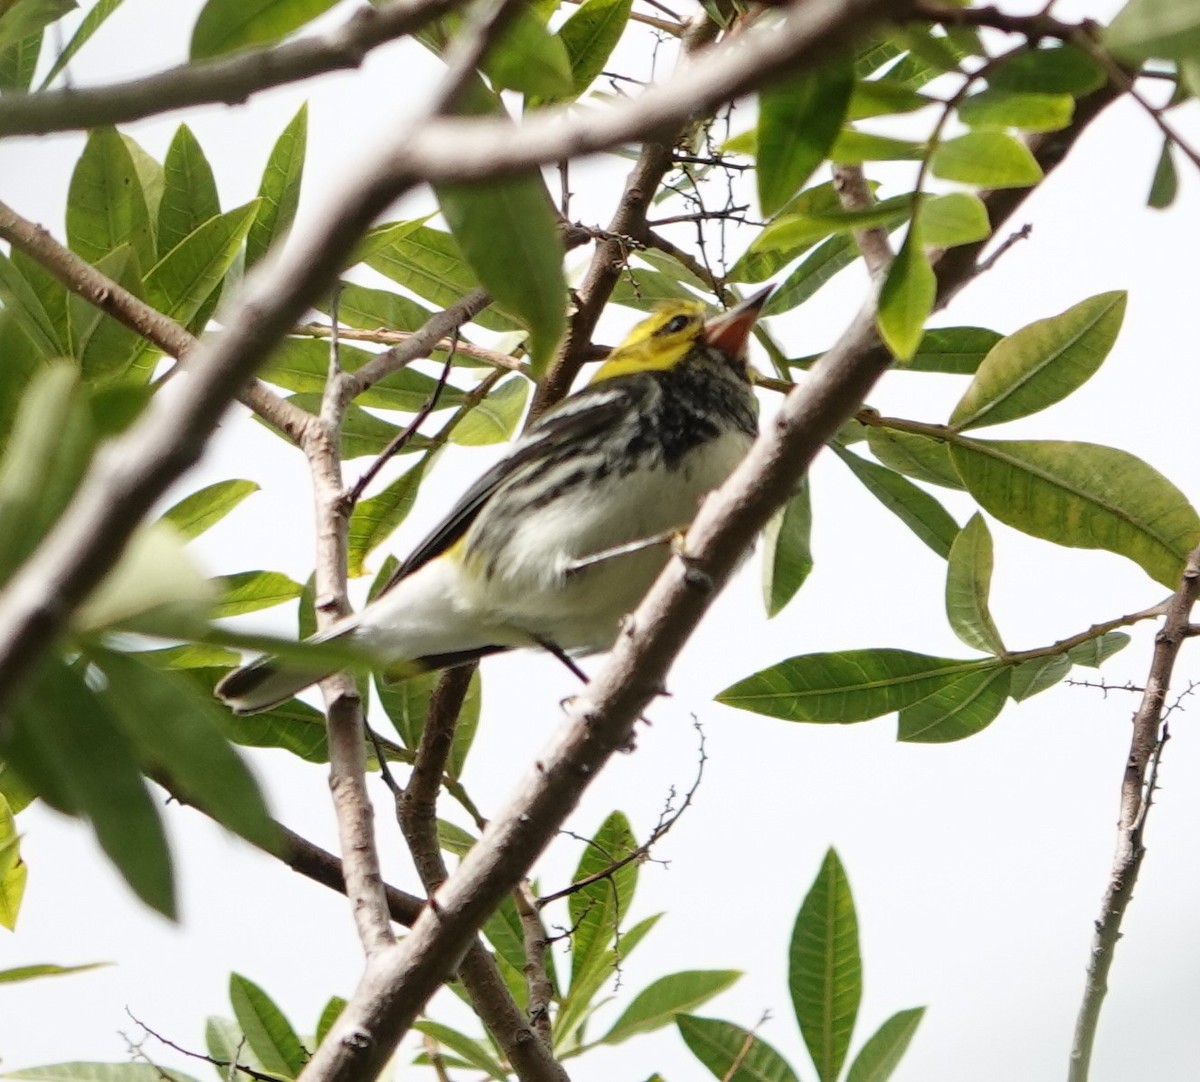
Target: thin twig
(537, 977)
(401, 439)
(216, 1061)
(1137, 792)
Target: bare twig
(537, 978)
(216, 1061)
(1137, 793)
(230, 79)
(384, 337)
(397, 442)
(669, 816)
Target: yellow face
(658, 342)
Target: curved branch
(230, 79)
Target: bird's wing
(578, 417)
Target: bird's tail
(265, 683)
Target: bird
(562, 537)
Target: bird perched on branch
(563, 536)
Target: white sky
(977, 867)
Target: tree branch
(230, 80)
(1137, 793)
(84, 280)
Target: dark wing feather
(580, 416)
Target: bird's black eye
(675, 325)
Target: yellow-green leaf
(1085, 496)
(1041, 363)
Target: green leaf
(22, 300)
(154, 580)
(150, 176)
(1042, 363)
(226, 25)
(1055, 69)
(46, 455)
(528, 58)
(1165, 183)
(18, 62)
(857, 147)
(106, 206)
(822, 264)
(956, 218)
(658, 1004)
(279, 192)
(362, 433)
(329, 1015)
(918, 510)
(884, 97)
(962, 708)
(589, 37)
(507, 232)
(179, 283)
(249, 591)
(999, 108)
(879, 1057)
(844, 687)
(787, 551)
(205, 507)
(1030, 677)
(192, 655)
(968, 584)
(302, 365)
(495, 419)
(62, 739)
(596, 909)
(375, 519)
(100, 1072)
(431, 264)
(29, 973)
(294, 726)
(798, 119)
(470, 1051)
(719, 1045)
(370, 309)
(176, 728)
(13, 870)
(1158, 28)
(103, 344)
(267, 1031)
(645, 289)
(907, 296)
(988, 159)
(88, 25)
(825, 969)
(1095, 652)
(21, 18)
(407, 704)
(958, 350)
(1084, 496)
(189, 191)
(455, 840)
(578, 1004)
(914, 455)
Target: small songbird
(563, 536)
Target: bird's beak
(729, 331)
